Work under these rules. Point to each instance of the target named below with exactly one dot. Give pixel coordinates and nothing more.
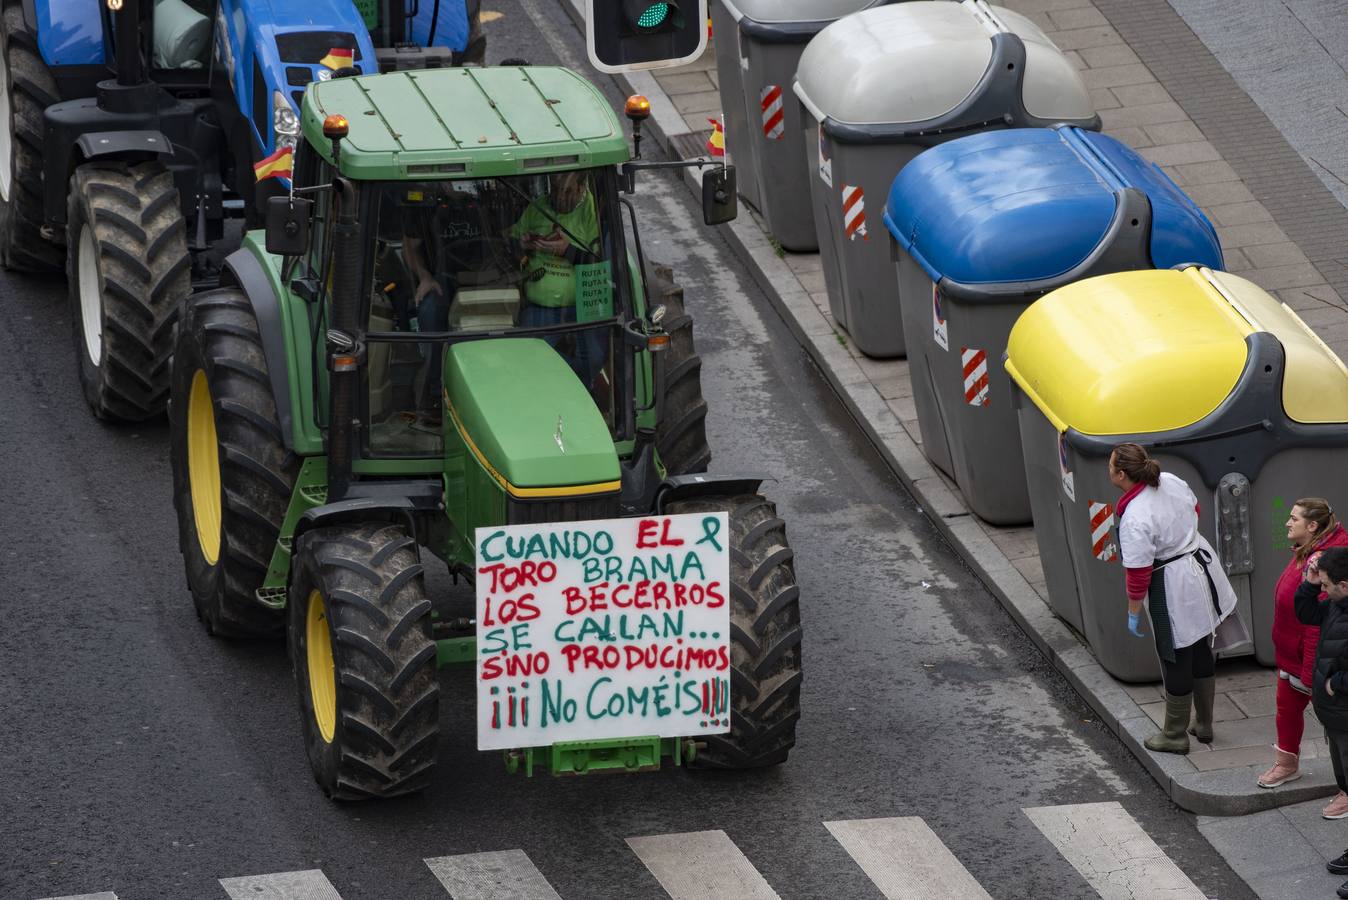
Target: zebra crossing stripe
(310, 884)
(701, 865)
(905, 859)
(106, 895)
(501, 875)
(774, 117)
(1102, 521)
(1112, 852)
(975, 376)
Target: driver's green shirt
(550, 280)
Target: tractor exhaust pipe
(345, 347)
(127, 28)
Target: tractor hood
(527, 418)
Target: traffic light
(622, 35)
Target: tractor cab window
(527, 256)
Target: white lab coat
(1160, 523)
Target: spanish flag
(278, 165)
(337, 58)
(716, 143)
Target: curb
(1227, 792)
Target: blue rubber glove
(1133, 620)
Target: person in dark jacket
(1327, 572)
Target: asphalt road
(143, 757)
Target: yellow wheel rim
(203, 467)
(322, 680)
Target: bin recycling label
(940, 330)
(825, 163)
(611, 628)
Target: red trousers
(1291, 716)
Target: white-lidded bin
(882, 85)
(758, 46)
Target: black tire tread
(388, 695)
(765, 636)
(146, 274)
(257, 472)
(681, 433)
(32, 89)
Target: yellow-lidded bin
(1225, 385)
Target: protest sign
(614, 628)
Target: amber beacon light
(336, 126)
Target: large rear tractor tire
(681, 433)
(364, 659)
(26, 89)
(765, 634)
(129, 273)
(232, 473)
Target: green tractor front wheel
(364, 660)
(765, 635)
(232, 473)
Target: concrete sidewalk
(1141, 110)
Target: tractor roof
(454, 123)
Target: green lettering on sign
(594, 291)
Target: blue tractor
(133, 131)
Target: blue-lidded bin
(983, 226)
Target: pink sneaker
(1337, 808)
(1284, 770)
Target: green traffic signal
(653, 16)
(622, 35)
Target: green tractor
(449, 325)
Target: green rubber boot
(1205, 692)
(1173, 738)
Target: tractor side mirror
(288, 225)
(720, 204)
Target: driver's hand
(554, 243)
(424, 287)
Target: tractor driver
(436, 218)
(560, 231)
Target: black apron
(1160, 612)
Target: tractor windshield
(456, 260)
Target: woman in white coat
(1172, 568)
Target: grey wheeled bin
(879, 87)
(758, 44)
(982, 227)
(1231, 392)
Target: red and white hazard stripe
(774, 117)
(854, 213)
(1102, 523)
(975, 376)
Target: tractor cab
(451, 261)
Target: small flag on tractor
(337, 58)
(278, 165)
(716, 143)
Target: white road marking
(1112, 852)
(906, 860)
(310, 884)
(106, 895)
(701, 865)
(502, 875)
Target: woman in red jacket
(1311, 528)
